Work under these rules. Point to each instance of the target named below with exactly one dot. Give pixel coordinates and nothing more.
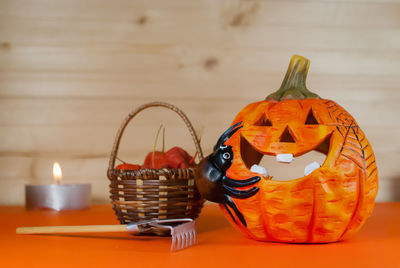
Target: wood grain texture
(70, 71)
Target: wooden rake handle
(72, 229)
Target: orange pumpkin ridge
(329, 204)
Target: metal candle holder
(57, 196)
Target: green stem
(163, 139)
(294, 83)
(155, 145)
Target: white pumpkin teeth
(284, 158)
(311, 167)
(259, 169)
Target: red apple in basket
(155, 160)
(176, 157)
(127, 166)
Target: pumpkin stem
(294, 83)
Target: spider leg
(240, 183)
(240, 194)
(227, 134)
(231, 204)
(230, 213)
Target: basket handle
(145, 106)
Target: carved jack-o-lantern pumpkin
(329, 203)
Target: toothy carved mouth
(259, 169)
(284, 158)
(284, 167)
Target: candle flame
(57, 174)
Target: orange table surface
(219, 245)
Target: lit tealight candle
(57, 196)
(57, 173)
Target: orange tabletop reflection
(219, 245)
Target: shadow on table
(212, 226)
(212, 220)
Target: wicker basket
(146, 194)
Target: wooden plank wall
(70, 71)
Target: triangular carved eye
(311, 119)
(286, 136)
(263, 122)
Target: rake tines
(183, 236)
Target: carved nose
(287, 136)
(263, 122)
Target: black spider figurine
(215, 186)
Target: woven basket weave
(146, 194)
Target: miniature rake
(182, 231)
